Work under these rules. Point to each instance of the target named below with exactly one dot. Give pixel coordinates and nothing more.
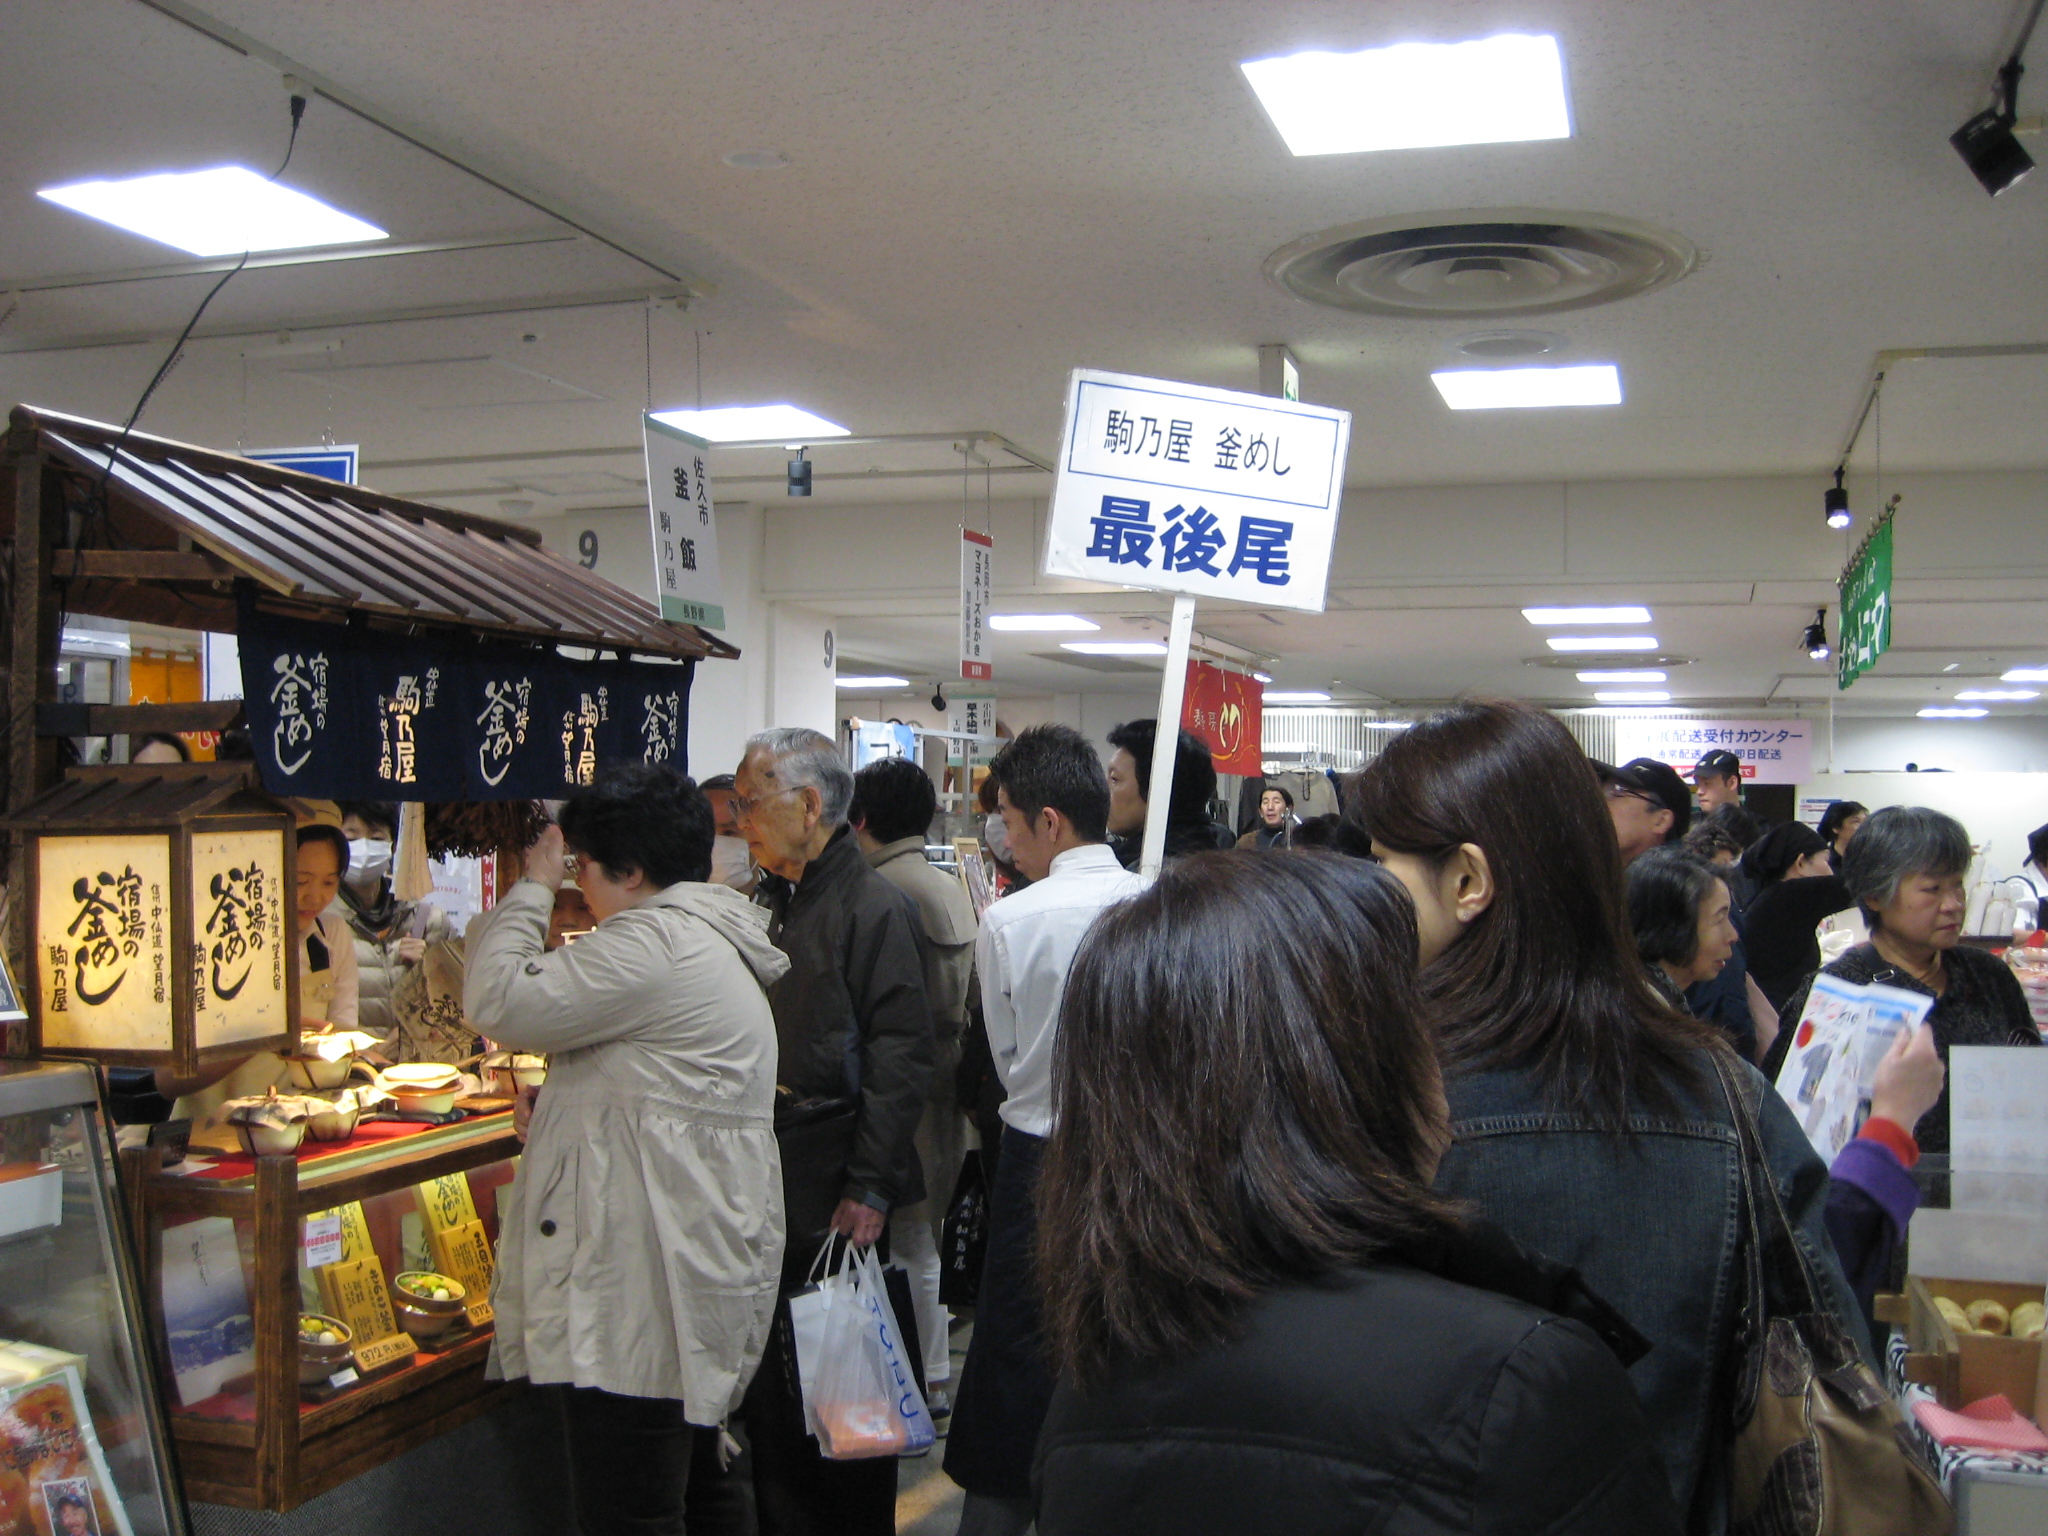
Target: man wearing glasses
(852, 1021)
(1649, 803)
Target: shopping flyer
(53, 1474)
(1843, 1033)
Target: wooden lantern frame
(175, 801)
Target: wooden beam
(141, 565)
(136, 719)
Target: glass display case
(323, 1311)
(82, 1436)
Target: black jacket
(1191, 834)
(851, 1016)
(1403, 1399)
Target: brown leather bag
(1820, 1447)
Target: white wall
(2013, 744)
(801, 649)
(1999, 809)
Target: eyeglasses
(1623, 792)
(744, 807)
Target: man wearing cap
(1649, 803)
(1717, 778)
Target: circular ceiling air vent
(1480, 263)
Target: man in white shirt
(1054, 799)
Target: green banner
(1866, 607)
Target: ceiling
(981, 197)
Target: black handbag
(963, 1236)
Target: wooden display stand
(1961, 1368)
(299, 1444)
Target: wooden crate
(1963, 1367)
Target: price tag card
(323, 1239)
(343, 1378)
(379, 1353)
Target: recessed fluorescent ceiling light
(1115, 647)
(1494, 90)
(1636, 696)
(752, 424)
(873, 682)
(2025, 675)
(1953, 714)
(1622, 677)
(1500, 389)
(1309, 697)
(221, 212)
(1602, 642)
(1999, 695)
(1039, 623)
(1629, 615)
(1261, 677)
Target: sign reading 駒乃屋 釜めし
(977, 587)
(679, 511)
(1866, 605)
(1771, 751)
(1182, 488)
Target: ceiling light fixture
(1835, 502)
(1814, 641)
(1505, 389)
(2024, 675)
(1039, 623)
(1115, 647)
(1494, 90)
(1986, 141)
(1297, 696)
(1640, 696)
(876, 683)
(1999, 695)
(753, 424)
(1937, 712)
(219, 212)
(1623, 677)
(1261, 677)
(1623, 615)
(1602, 642)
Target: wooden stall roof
(145, 795)
(314, 547)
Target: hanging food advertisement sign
(239, 949)
(103, 941)
(1225, 710)
(977, 589)
(341, 713)
(1182, 488)
(679, 511)
(1866, 605)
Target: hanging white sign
(1771, 751)
(1181, 488)
(977, 588)
(686, 585)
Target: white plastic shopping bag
(861, 1400)
(828, 1287)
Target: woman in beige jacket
(640, 1246)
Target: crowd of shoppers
(1386, 1172)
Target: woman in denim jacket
(1588, 1119)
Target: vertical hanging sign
(977, 587)
(1866, 604)
(686, 585)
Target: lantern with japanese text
(161, 916)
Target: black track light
(939, 697)
(1815, 640)
(1986, 141)
(799, 475)
(1836, 501)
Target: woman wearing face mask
(732, 861)
(1588, 1117)
(408, 957)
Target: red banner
(1223, 708)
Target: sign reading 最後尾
(977, 586)
(240, 956)
(686, 585)
(1771, 751)
(1225, 709)
(1866, 606)
(1181, 488)
(103, 946)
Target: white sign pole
(1166, 735)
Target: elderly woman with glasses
(1906, 869)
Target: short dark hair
(234, 746)
(322, 832)
(642, 816)
(718, 781)
(373, 813)
(1708, 838)
(1273, 995)
(1053, 765)
(1737, 823)
(1320, 832)
(1194, 769)
(1767, 860)
(1898, 843)
(1839, 811)
(1270, 789)
(893, 798)
(1665, 889)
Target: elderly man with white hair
(852, 1021)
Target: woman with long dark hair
(1263, 1318)
(1587, 1115)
